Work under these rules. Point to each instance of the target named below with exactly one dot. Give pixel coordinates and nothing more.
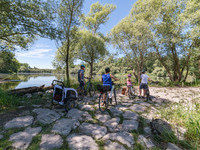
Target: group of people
(108, 77)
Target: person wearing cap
(81, 76)
(129, 83)
(144, 82)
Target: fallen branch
(34, 89)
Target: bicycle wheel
(53, 102)
(91, 90)
(115, 97)
(103, 103)
(69, 105)
(131, 93)
(147, 95)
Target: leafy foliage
(22, 21)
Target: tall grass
(187, 116)
(7, 100)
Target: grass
(187, 116)
(8, 101)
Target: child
(129, 83)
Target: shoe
(61, 103)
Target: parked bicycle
(106, 97)
(88, 88)
(131, 92)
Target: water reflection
(28, 80)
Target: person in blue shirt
(107, 78)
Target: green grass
(8, 101)
(187, 117)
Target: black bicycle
(88, 88)
(106, 97)
(148, 97)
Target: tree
(94, 48)
(22, 21)
(191, 18)
(131, 36)
(68, 18)
(90, 48)
(8, 63)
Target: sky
(41, 53)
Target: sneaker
(61, 103)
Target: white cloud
(37, 53)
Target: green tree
(90, 48)
(68, 18)
(22, 21)
(131, 36)
(92, 43)
(8, 63)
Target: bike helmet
(82, 66)
(129, 75)
(143, 70)
(107, 70)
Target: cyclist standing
(81, 76)
(107, 79)
(129, 84)
(144, 82)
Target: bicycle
(148, 97)
(82, 91)
(105, 98)
(131, 92)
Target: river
(28, 80)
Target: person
(143, 84)
(81, 76)
(129, 84)
(107, 79)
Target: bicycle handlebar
(57, 82)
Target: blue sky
(41, 53)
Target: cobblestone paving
(85, 127)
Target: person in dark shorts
(143, 84)
(81, 76)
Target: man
(81, 76)
(144, 82)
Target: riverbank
(175, 106)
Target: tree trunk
(67, 62)
(199, 67)
(163, 64)
(91, 69)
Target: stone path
(85, 128)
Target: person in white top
(144, 82)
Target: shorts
(143, 86)
(82, 84)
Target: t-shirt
(144, 78)
(79, 75)
(107, 79)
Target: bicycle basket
(103, 88)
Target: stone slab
(46, 116)
(51, 141)
(81, 142)
(64, 126)
(79, 115)
(113, 146)
(22, 140)
(123, 137)
(19, 122)
(93, 130)
(129, 125)
(130, 115)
